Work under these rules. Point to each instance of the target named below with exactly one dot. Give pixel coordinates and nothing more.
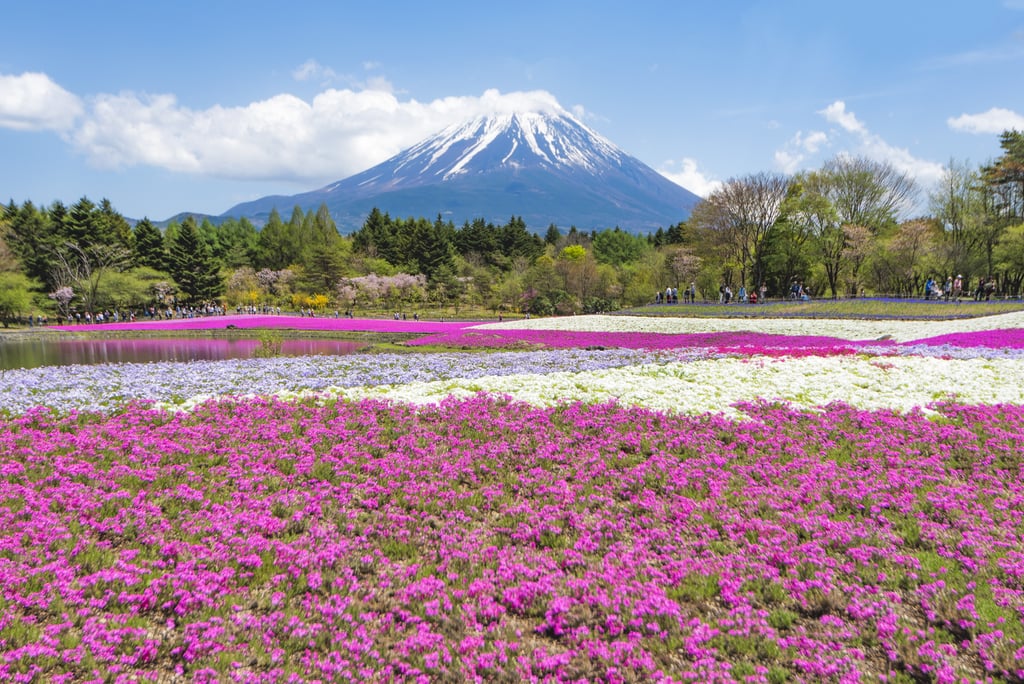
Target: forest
(854, 227)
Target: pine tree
(271, 246)
(149, 246)
(79, 228)
(553, 235)
(192, 265)
(111, 228)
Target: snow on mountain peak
(543, 136)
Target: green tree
(1005, 177)
(432, 247)
(33, 239)
(325, 266)
(128, 289)
(641, 279)
(112, 229)
(15, 297)
(958, 203)
(272, 246)
(1009, 255)
(238, 241)
(515, 240)
(149, 246)
(579, 270)
(80, 227)
(678, 234)
(192, 265)
(553, 235)
(8, 260)
(324, 229)
(617, 247)
(478, 237)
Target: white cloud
(814, 140)
(865, 143)
(874, 147)
(790, 157)
(306, 70)
(788, 161)
(338, 133)
(33, 102)
(686, 174)
(836, 113)
(995, 120)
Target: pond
(31, 351)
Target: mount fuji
(547, 167)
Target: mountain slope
(546, 167)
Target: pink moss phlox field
(995, 339)
(385, 325)
(741, 342)
(484, 540)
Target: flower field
(592, 499)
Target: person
(990, 288)
(728, 294)
(929, 285)
(693, 293)
(753, 297)
(742, 294)
(763, 293)
(958, 287)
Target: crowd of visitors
(955, 289)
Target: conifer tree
(149, 246)
(192, 265)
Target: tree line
(845, 229)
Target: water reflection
(31, 352)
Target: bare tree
(740, 216)
(866, 192)
(83, 268)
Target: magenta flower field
(482, 540)
(245, 322)
(490, 539)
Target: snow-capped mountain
(544, 166)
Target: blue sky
(164, 107)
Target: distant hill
(546, 167)
(179, 217)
